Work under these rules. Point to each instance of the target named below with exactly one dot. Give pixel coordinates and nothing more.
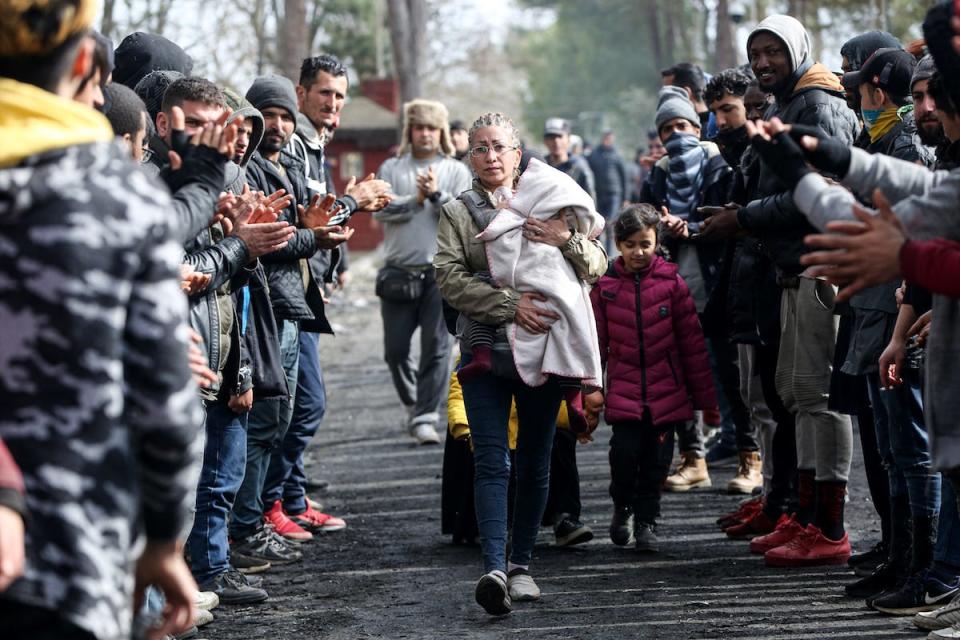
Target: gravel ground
(392, 574)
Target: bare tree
(293, 38)
(726, 54)
(408, 31)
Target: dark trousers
(564, 496)
(640, 456)
(736, 427)
(782, 490)
(286, 479)
(25, 622)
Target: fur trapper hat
(430, 113)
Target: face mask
(870, 117)
(680, 142)
(732, 143)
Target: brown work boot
(691, 474)
(749, 476)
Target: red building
(368, 134)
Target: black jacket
(291, 299)
(714, 257)
(609, 172)
(771, 215)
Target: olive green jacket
(460, 255)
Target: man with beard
(321, 93)
(424, 177)
(808, 93)
(929, 127)
(296, 299)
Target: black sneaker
(883, 578)
(646, 538)
(919, 592)
(247, 564)
(867, 562)
(570, 532)
(232, 587)
(492, 594)
(621, 526)
(262, 546)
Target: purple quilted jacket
(651, 345)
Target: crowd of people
(784, 248)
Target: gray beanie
(273, 91)
(673, 102)
(924, 71)
(152, 87)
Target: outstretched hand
(858, 253)
(217, 135)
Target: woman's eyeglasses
(482, 150)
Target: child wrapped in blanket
(569, 351)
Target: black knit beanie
(939, 34)
(152, 87)
(273, 91)
(140, 53)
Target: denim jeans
(487, 400)
(904, 444)
(224, 461)
(285, 477)
(266, 425)
(947, 549)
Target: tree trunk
(726, 53)
(108, 25)
(656, 39)
(294, 38)
(408, 35)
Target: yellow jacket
(457, 415)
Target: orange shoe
(284, 526)
(787, 529)
(313, 520)
(809, 549)
(758, 524)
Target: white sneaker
(941, 618)
(943, 634)
(425, 433)
(207, 600)
(203, 617)
(522, 587)
(491, 594)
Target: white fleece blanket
(570, 348)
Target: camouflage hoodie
(99, 410)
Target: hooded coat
(651, 345)
(813, 96)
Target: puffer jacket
(815, 98)
(651, 345)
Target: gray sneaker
(492, 594)
(521, 586)
(263, 546)
(942, 618)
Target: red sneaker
(283, 525)
(744, 511)
(809, 549)
(317, 522)
(758, 524)
(787, 529)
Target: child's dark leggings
(640, 457)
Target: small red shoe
(745, 510)
(758, 524)
(317, 522)
(787, 529)
(284, 526)
(809, 549)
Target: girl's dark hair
(636, 217)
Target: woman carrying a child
(525, 277)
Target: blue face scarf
(684, 173)
(870, 117)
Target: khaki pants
(804, 366)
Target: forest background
(595, 62)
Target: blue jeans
(285, 477)
(904, 444)
(224, 461)
(947, 549)
(266, 425)
(488, 399)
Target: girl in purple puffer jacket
(657, 371)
